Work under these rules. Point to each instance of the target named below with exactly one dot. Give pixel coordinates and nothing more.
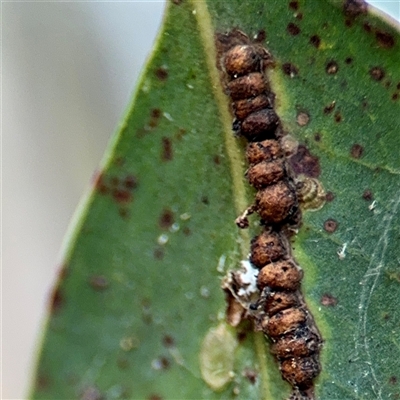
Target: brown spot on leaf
(98, 282)
(303, 162)
(124, 213)
(177, 2)
(186, 231)
(161, 73)
(167, 153)
(155, 116)
(294, 5)
(159, 253)
(317, 137)
(384, 39)
(315, 40)
(338, 117)
(251, 375)
(329, 196)
(395, 96)
(328, 300)
(293, 29)
(217, 159)
(303, 118)
(260, 36)
(393, 380)
(56, 300)
(166, 219)
(332, 67)
(131, 182)
(330, 225)
(42, 382)
(168, 341)
(367, 195)
(377, 73)
(99, 183)
(329, 108)
(205, 200)
(119, 161)
(155, 397)
(398, 86)
(299, 16)
(348, 60)
(290, 69)
(121, 195)
(353, 8)
(367, 27)
(356, 151)
(181, 132)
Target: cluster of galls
(282, 313)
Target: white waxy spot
(162, 239)
(248, 275)
(217, 355)
(221, 263)
(342, 252)
(168, 116)
(174, 228)
(185, 216)
(205, 292)
(372, 206)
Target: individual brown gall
(243, 108)
(265, 173)
(275, 203)
(283, 275)
(300, 343)
(267, 150)
(260, 124)
(241, 60)
(276, 301)
(251, 85)
(300, 371)
(284, 321)
(266, 248)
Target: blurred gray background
(68, 72)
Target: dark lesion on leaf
(315, 40)
(354, 8)
(328, 300)
(356, 151)
(377, 73)
(330, 225)
(293, 29)
(303, 162)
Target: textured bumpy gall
(281, 311)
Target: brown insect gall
(300, 371)
(241, 60)
(275, 203)
(258, 123)
(266, 248)
(278, 301)
(243, 108)
(284, 321)
(251, 85)
(283, 275)
(267, 150)
(265, 173)
(300, 343)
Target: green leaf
(138, 311)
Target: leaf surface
(138, 308)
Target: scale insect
(280, 310)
